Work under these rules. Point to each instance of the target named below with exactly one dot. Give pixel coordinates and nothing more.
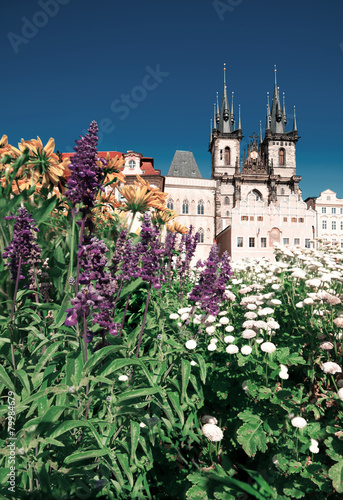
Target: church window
(294, 219)
(170, 205)
(201, 235)
(251, 242)
(221, 154)
(333, 225)
(263, 242)
(333, 210)
(341, 225)
(252, 217)
(307, 242)
(282, 157)
(285, 219)
(341, 243)
(323, 210)
(286, 241)
(227, 155)
(296, 241)
(257, 194)
(132, 164)
(227, 213)
(226, 201)
(244, 217)
(201, 208)
(324, 224)
(185, 207)
(240, 241)
(259, 218)
(282, 191)
(301, 219)
(341, 211)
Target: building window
(341, 243)
(328, 198)
(170, 205)
(282, 157)
(296, 241)
(286, 241)
(201, 208)
(221, 154)
(307, 242)
(201, 235)
(132, 164)
(227, 213)
(301, 219)
(240, 241)
(285, 219)
(244, 217)
(333, 225)
(294, 219)
(252, 217)
(333, 210)
(185, 207)
(323, 210)
(226, 201)
(282, 191)
(227, 155)
(341, 225)
(260, 218)
(263, 242)
(341, 211)
(251, 242)
(324, 224)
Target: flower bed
(125, 373)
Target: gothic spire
(284, 109)
(261, 139)
(239, 118)
(225, 121)
(268, 118)
(295, 128)
(232, 113)
(214, 116)
(277, 125)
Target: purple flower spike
(71, 318)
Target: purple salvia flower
(119, 251)
(86, 176)
(130, 259)
(151, 252)
(23, 244)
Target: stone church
(252, 200)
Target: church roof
(184, 165)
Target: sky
(148, 73)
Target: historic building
(329, 216)
(257, 200)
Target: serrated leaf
(252, 436)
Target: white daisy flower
(268, 347)
(212, 432)
(191, 344)
(229, 339)
(123, 378)
(298, 422)
(246, 350)
(232, 349)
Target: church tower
(279, 148)
(224, 147)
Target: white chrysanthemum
(275, 302)
(314, 282)
(191, 344)
(338, 322)
(211, 347)
(326, 346)
(260, 325)
(299, 305)
(340, 393)
(284, 375)
(193, 363)
(184, 316)
(274, 325)
(250, 315)
(214, 341)
(224, 320)
(259, 340)
(314, 446)
(142, 425)
(277, 287)
(229, 339)
(208, 419)
(246, 350)
(308, 301)
(229, 328)
(249, 323)
(210, 329)
(248, 334)
(251, 307)
(184, 310)
(123, 378)
(174, 316)
(298, 422)
(210, 319)
(268, 347)
(283, 368)
(331, 367)
(212, 432)
(232, 349)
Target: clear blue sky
(86, 57)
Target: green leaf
(42, 213)
(336, 474)
(74, 366)
(124, 463)
(59, 319)
(251, 434)
(86, 455)
(134, 432)
(185, 374)
(175, 401)
(98, 356)
(202, 366)
(137, 393)
(6, 380)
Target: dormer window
(132, 164)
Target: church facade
(252, 200)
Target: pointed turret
(218, 112)
(261, 138)
(232, 113)
(211, 131)
(214, 117)
(277, 125)
(268, 118)
(225, 119)
(284, 109)
(239, 118)
(295, 128)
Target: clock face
(254, 155)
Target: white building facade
(329, 217)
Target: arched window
(170, 205)
(201, 208)
(282, 157)
(201, 235)
(257, 194)
(226, 201)
(227, 155)
(185, 206)
(227, 213)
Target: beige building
(329, 216)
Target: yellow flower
(176, 227)
(143, 183)
(44, 160)
(161, 217)
(139, 199)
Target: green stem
(12, 311)
(78, 260)
(131, 223)
(144, 320)
(70, 269)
